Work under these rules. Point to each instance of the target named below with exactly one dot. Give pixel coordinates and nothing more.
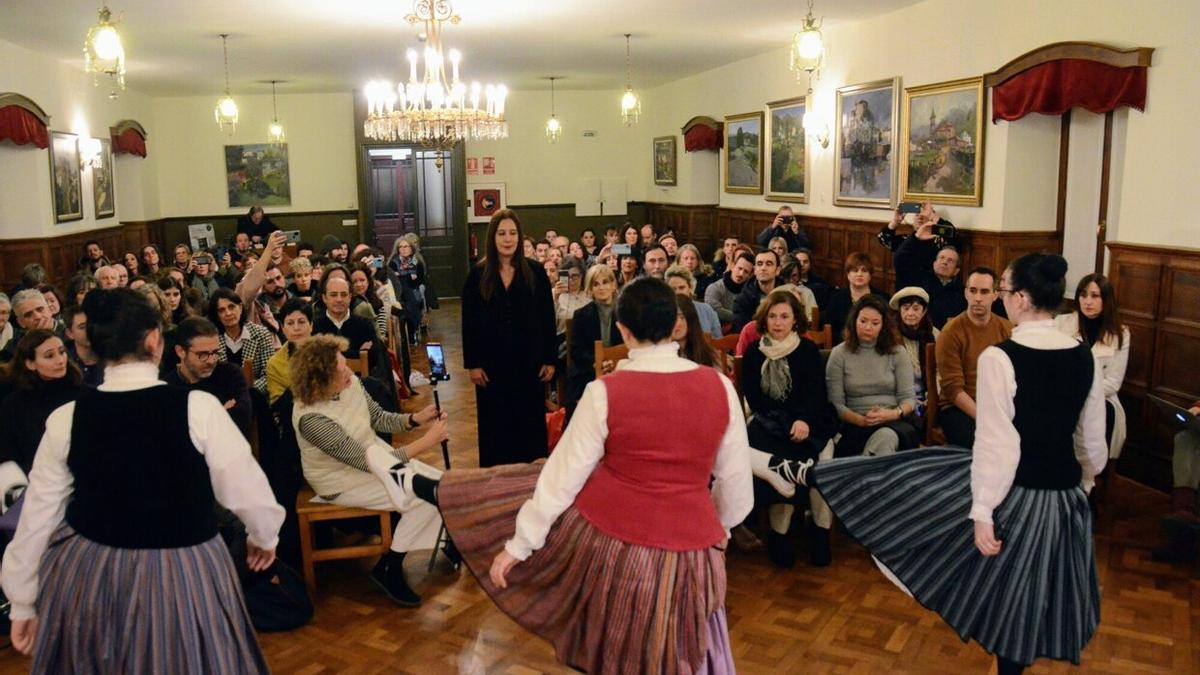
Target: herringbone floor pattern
(841, 619)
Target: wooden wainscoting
(695, 224)
(60, 255)
(1158, 291)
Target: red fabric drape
(1054, 87)
(701, 137)
(21, 126)
(129, 142)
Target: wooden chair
(309, 512)
(725, 346)
(933, 431)
(248, 373)
(823, 337)
(814, 316)
(602, 354)
(361, 365)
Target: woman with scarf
(784, 384)
(911, 307)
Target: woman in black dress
(998, 540)
(509, 345)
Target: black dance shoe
(820, 554)
(781, 550)
(389, 576)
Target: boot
(781, 550)
(389, 576)
(820, 553)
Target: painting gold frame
(859, 90)
(66, 177)
(668, 174)
(950, 145)
(104, 193)
(733, 122)
(797, 197)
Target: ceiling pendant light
(275, 134)
(226, 112)
(631, 105)
(553, 127)
(103, 53)
(808, 49)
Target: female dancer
(998, 540)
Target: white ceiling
(336, 45)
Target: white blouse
(997, 449)
(582, 448)
(238, 482)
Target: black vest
(1052, 387)
(139, 480)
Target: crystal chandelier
(808, 49)
(436, 111)
(226, 111)
(103, 53)
(631, 104)
(275, 134)
(553, 127)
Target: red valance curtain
(1054, 87)
(701, 137)
(129, 142)
(21, 127)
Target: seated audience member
(594, 321)
(784, 384)
(295, 319)
(779, 246)
(630, 236)
(238, 340)
(691, 336)
(723, 293)
(32, 276)
(570, 296)
(870, 383)
(1182, 524)
(550, 236)
(32, 312)
(766, 269)
(359, 306)
(256, 224)
(183, 258)
(347, 464)
(79, 348)
(338, 320)
(302, 285)
(689, 257)
(612, 235)
(132, 265)
(529, 249)
(6, 326)
(587, 242)
(1097, 323)
(820, 288)
(647, 237)
(628, 266)
(107, 277)
(253, 279)
(93, 257)
(197, 349)
(858, 285)
(159, 302)
(563, 244)
(555, 255)
(274, 292)
(927, 216)
(670, 245)
(305, 250)
(683, 283)
(204, 277)
(151, 259)
(959, 345)
(55, 303)
(575, 252)
(79, 285)
(39, 379)
(139, 281)
(909, 313)
(242, 247)
(723, 256)
(749, 333)
(541, 250)
(177, 301)
(784, 225)
(923, 260)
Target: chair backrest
(823, 337)
(360, 365)
(614, 353)
(248, 372)
(814, 316)
(737, 381)
(725, 347)
(932, 397)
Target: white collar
(130, 376)
(1035, 326)
(337, 323)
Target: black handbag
(277, 599)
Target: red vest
(652, 486)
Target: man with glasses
(197, 346)
(958, 348)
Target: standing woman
(112, 570)
(1097, 324)
(509, 345)
(998, 540)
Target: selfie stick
(437, 404)
(442, 537)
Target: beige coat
(1113, 360)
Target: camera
(203, 260)
(787, 220)
(944, 230)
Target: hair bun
(1052, 266)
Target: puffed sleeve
(1091, 450)
(733, 489)
(997, 449)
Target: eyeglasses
(1008, 290)
(204, 356)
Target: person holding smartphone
(784, 225)
(928, 260)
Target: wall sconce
(816, 127)
(90, 153)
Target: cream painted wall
(320, 138)
(75, 106)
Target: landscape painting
(942, 157)
(66, 180)
(102, 182)
(743, 153)
(258, 174)
(865, 154)
(787, 151)
(664, 160)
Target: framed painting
(665, 160)
(941, 159)
(103, 194)
(743, 153)
(258, 174)
(864, 157)
(787, 151)
(66, 177)
(486, 199)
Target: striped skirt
(112, 610)
(605, 605)
(1038, 597)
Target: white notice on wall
(202, 236)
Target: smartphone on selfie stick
(438, 373)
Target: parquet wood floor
(842, 619)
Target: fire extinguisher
(474, 244)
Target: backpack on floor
(277, 599)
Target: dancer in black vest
(116, 565)
(998, 540)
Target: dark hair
(142, 257)
(118, 322)
(585, 231)
(78, 283)
(47, 288)
(1111, 326)
(611, 228)
(695, 345)
(32, 275)
(630, 226)
(1042, 277)
(858, 259)
(69, 313)
(984, 269)
(294, 305)
(489, 281)
(191, 328)
(781, 297)
(647, 308)
(255, 209)
(229, 295)
(653, 247)
(304, 246)
(886, 342)
(185, 309)
(89, 242)
(805, 250)
(24, 379)
(743, 255)
(765, 251)
(370, 296)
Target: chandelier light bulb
(107, 43)
(228, 107)
(103, 53)
(629, 101)
(810, 44)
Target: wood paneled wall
(60, 255)
(1158, 292)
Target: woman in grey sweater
(870, 383)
